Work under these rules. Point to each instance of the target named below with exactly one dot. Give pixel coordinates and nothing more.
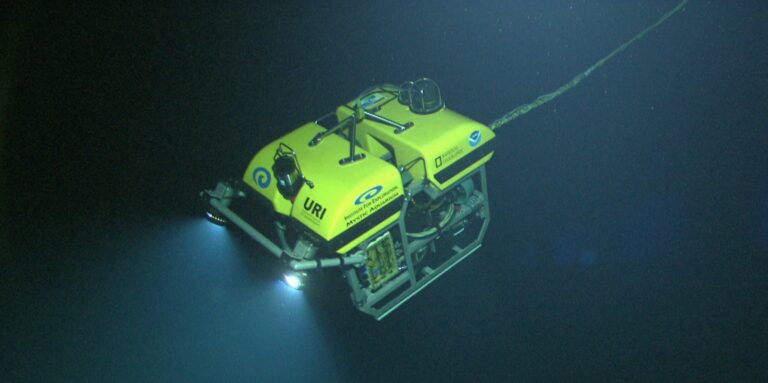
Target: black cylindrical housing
(289, 180)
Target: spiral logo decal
(474, 138)
(368, 194)
(262, 177)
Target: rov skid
(390, 188)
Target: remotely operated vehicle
(390, 188)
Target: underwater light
(294, 279)
(215, 218)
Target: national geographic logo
(448, 156)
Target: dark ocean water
(629, 233)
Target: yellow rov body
(390, 188)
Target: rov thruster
(390, 188)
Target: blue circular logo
(262, 177)
(475, 138)
(368, 194)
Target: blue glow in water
(634, 233)
(181, 300)
(587, 257)
(571, 250)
